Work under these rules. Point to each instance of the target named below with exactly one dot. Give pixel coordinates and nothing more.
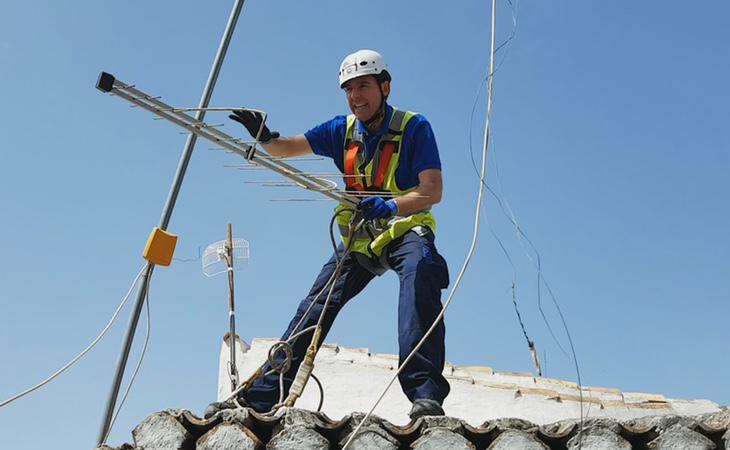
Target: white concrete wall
(353, 380)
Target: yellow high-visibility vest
(377, 175)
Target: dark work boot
(215, 407)
(425, 407)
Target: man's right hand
(253, 122)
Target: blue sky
(608, 131)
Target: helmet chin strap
(380, 113)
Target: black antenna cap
(105, 82)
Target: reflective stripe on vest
(378, 174)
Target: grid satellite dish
(214, 256)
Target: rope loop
(278, 349)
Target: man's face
(364, 96)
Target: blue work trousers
(423, 274)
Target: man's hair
(383, 76)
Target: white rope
(296, 334)
(84, 352)
(475, 236)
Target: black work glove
(252, 121)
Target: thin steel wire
(475, 236)
(521, 235)
(148, 329)
(83, 352)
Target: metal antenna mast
(231, 305)
(165, 219)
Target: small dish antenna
(215, 256)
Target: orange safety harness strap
(387, 147)
(382, 161)
(352, 178)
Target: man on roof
(390, 159)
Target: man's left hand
(378, 208)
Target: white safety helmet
(363, 62)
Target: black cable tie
(251, 153)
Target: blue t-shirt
(418, 146)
